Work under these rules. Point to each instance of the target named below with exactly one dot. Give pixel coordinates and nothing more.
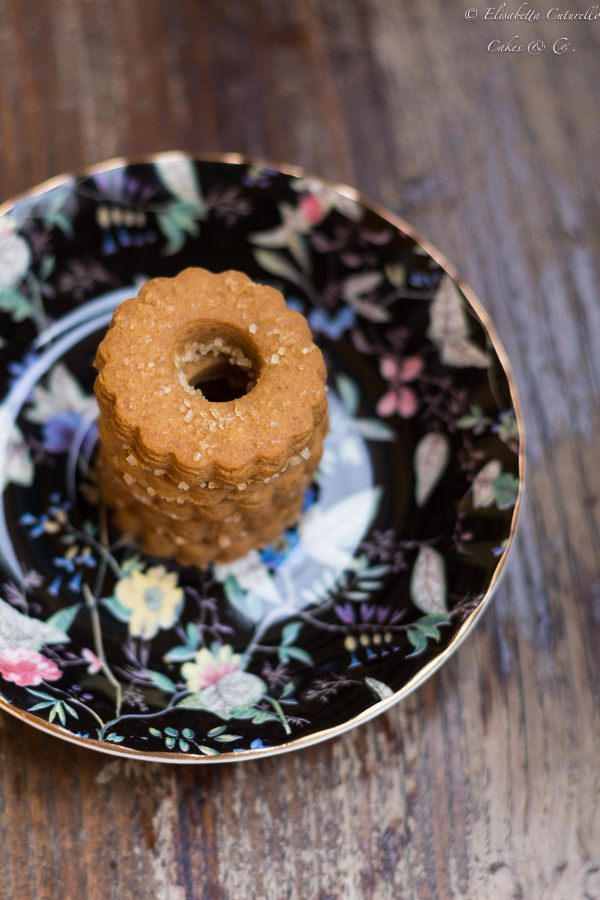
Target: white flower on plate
(180, 178)
(327, 537)
(15, 256)
(63, 394)
(18, 467)
(252, 575)
(237, 689)
(17, 630)
(330, 536)
(218, 683)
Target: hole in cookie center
(221, 381)
(215, 369)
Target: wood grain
(484, 784)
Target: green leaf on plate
(208, 751)
(299, 654)
(215, 731)
(163, 682)
(418, 640)
(506, 490)
(180, 654)
(290, 632)
(382, 691)
(43, 705)
(13, 302)
(64, 618)
(374, 430)
(121, 613)
(349, 393)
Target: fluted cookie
(184, 332)
(212, 415)
(141, 476)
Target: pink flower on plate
(311, 209)
(27, 667)
(95, 664)
(400, 399)
(209, 666)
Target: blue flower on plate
(59, 430)
(256, 176)
(332, 326)
(275, 555)
(61, 407)
(424, 280)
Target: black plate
(404, 532)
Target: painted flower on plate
(400, 398)
(259, 176)
(61, 407)
(249, 585)
(179, 176)
(335, 325)
(325, 199)
(93, 661)
(25, 632)
(311, 209)
(209, 666)
(63, 394)
(15, 256)
(280, 551)
(59, 431)
(27, 667)
(251, 573)
(218, 684)
(153, 598)
(17, 465)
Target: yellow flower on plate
(208, 668)
(153, 598)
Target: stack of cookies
(212, 416)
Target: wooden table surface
(485, 783)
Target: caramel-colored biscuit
(196, 546)
(166, 337)
(140, 477)
(204, 480)
(194, 530)
(155, 512)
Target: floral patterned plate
(404, 531)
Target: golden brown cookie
(193, 542)
(212, 415)
(201, 325)
(156, 482)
